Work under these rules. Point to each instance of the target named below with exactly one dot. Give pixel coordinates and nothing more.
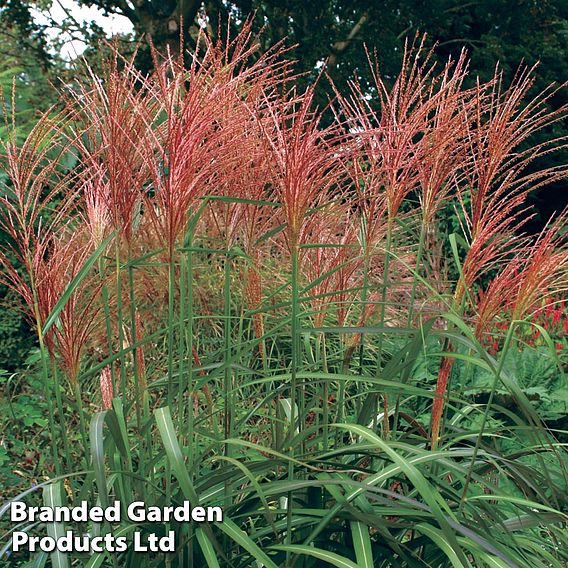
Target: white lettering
(19, 539)
(136, 512)
(18, 512)
(112, 513)
(138, 546)
(214, 515)
(47, 544)
(154, 543)
(167, 543)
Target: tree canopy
(333, 31)
(330, 34)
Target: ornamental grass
(244, 300)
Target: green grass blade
(173, 451)
(207, 549)
(325, 555)
(98, 457)
(52, 498)
(362, 544)
(438, 537)
(243, 540)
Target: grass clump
(245, 301)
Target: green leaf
(97, 455)
(52, 498)
(243, 540)
(362, 544)
(438, 537)
(173, 451)
(207, 549)
(325, 555)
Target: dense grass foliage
(245, 301)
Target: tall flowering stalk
(496, 182)
(244, 216)
(392, 143)
(497, 177)
(538, 272)
(330, 265)
(441, 152)
(113, 117)
(304, 169)
(67, 254)
(183, 168)
(202, 139)
(33, 205)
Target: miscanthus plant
(242, 300)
